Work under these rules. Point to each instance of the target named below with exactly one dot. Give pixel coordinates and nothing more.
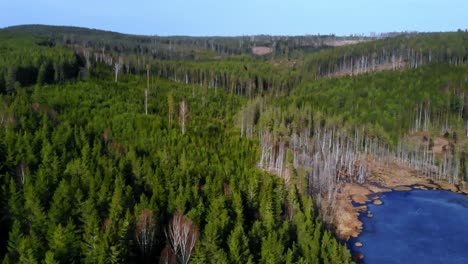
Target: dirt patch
(448, 187)
(402, 188)
(393, 174)
(440, 144)
(377, 202)
(346, 219)
(376, 189)
(360, 198)
(357, 192)
(260, 51)
(339, 43)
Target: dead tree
(21, 171)
(147, 89)
(183, 114)
(87, 57)
(146, 102)
(171, 110)
(182, 235)
(145, 231)
(330, 157)
(117, 68)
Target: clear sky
(241, 17)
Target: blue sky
(241, 17)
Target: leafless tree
(171, 110)
(182, 235)
(117, 67)
(147, 89)
(21, 171)
(146, 101)
(183, 114)
(87, 57)
(145, 231)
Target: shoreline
(353, 198)
(355, 244)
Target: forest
(131, 149)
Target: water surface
(416, 227)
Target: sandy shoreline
(383, 178)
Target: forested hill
(122, 167)
(184, 47)
(403, 51)
(119, 148)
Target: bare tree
(331, 157)
(147, 89)
(145, 231)
(21, 171)
(183, 114)
(87, 57)
(182, 235)
(118, 67)
(146, 101)
(171, 110)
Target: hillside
(179, 47)
(120, 148)
(411, 50)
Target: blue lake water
(416, 227)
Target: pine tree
(63, 243)
(14, 239)
(238, 244)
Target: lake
(416, 227)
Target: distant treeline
(177, 47)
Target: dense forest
(181, 47)
(131, 149)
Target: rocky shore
(385, 177)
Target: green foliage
(80, 160)
(93, 158)
(384, 104)
(24, 62)
(174, 47)
(15, 237)
(410, 49)
(238, 243)
(63, 243)
(50, 258)
(272, 249)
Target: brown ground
(339, 43)
(346, 217)
(261, 50)
(383, 178)
(439, 144)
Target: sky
(241, 17)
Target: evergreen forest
(120, 148)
